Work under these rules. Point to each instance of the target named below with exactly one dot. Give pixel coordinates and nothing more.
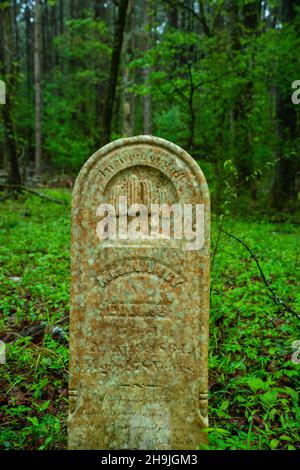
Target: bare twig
(213, 258)
(32, 191)
(200, 17)
(272, 294)
(41, 350)
(36, 346)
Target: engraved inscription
(149, 266)
(136, 310)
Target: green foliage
(70, 122)
(254, 384)
(34, 280)
(175, 132)
(215, 95)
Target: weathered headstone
(139, 306)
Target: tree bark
(146, 74)
(61, 16)
(37, 87)
(14, 11)
(15, 176)
(113, 74)
(172, 11)
(127, 74)
(28, 47)
(8, 71)
(99, 10)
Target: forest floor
(253, 402)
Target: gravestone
(139, 305)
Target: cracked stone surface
(139, 309)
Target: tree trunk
(28, 48)
(37, 87)
(61, 16)
(113, 74)
(172, 11)
(99, 10)
(8, 71)
(128, 75)
(15, 176)
(146, 73)
(53, 31)
(14, 11)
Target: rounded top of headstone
(138, 141)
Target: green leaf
(224, 405)
(274, 443)
(256, 384)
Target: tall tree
(61, 16)
(114, 71)
(37, 86)
(146, 72)
(14, 12)
(128, 74)
(28, 32)
(99, 9)
(8, 71)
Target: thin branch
(200, 17)
(203, 18)
(180, 93)
(216, 79)
(32, 191)
(272, 294)
(213, 261)
(216, 17)
(39, 348)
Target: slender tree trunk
(8, 73)
(46, 40)
(99, 15)
(15, 176)
(192, 120)
(99, 9)
(28, 48)
(16, 29)
(127, 129)
(127, 74)
(113, 74)
(172, 11)
(61, 16)
(146, 73)
(53, 34)
(72, 9)
(37, 87)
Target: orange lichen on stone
(139, 310)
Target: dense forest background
(220, 78)
(215, 77)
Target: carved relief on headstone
(139, 308)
